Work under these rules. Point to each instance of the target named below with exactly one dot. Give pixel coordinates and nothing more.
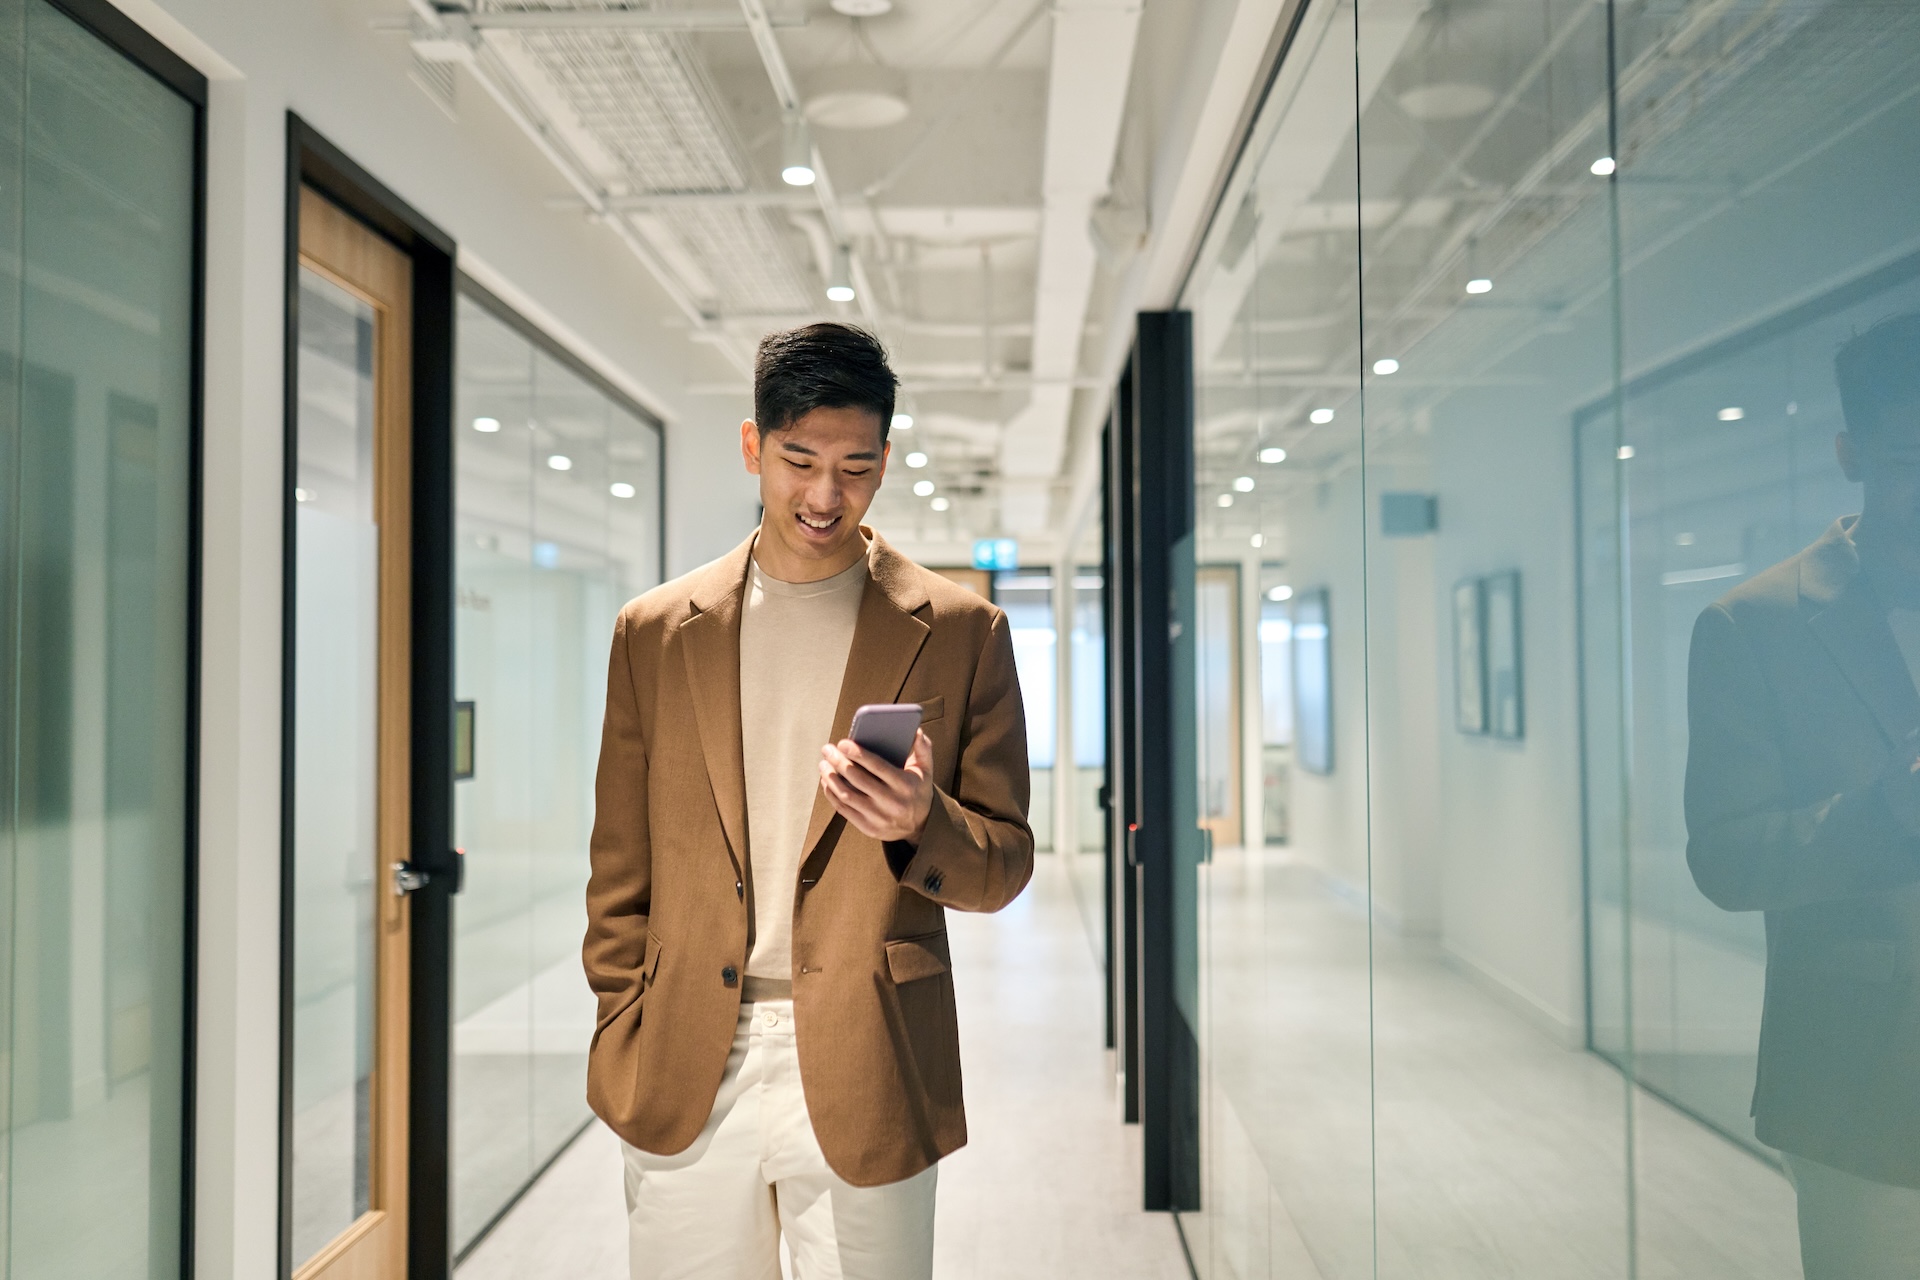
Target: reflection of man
(776, 1043)
(1803, 801)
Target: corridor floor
(1047, 1188)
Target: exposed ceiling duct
(1086, 98)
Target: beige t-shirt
(794, 639)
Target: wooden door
(350, 532)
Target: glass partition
(97, 254)
(557, 494)
(1546, 353)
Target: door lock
(408, 878)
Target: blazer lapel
(1850, 621)
(886, 641)
(710, 642)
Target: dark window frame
(140, 47)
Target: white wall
(486, 186)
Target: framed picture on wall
(1469, 658)
(1313, 681)
(1500, 612)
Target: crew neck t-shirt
(794, 641)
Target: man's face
(817, 478)
(1886, 463)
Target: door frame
(314, 162)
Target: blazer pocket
(932, 709)
(910, 959)
(649, 961)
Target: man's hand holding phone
(885, 801)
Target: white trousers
(1853, 1229)
(717, 1210)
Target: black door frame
(313, 161)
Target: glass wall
(97, 251)
(557, 494)
(1546, 352)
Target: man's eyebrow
(870, 455)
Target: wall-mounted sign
(996, 553)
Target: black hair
(1879, 370)
(828, 365)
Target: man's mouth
(816, 524)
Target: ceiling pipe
(1091, 61)
(484, 65)
(760, 26)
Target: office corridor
(1047, 1187)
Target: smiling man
(776, 1043)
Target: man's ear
(1848, 453)
(750, 446)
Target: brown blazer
(1801, 713)
(667, 912)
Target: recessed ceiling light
(1732, 413)
(303, 495)
(1624, 452)
(916, 459)
(863, 8)
(902, 422)
(1480, 284)
(940, 504)
(487, 425)
(1320, 417)
(1243, 484)
(1281, 592)
(1603, 167)
(559, 462)
(922, 488)
(1225, 500)
(620, 489)
(1386, 366)
(1257, 540)
(1272, 454)
(1682, 539)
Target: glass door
(349, 651)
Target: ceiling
(961, 148)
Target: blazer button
(933, 881)
(730, 976)
(739, 890)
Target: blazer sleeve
(977, 851)
(1749, 848)
(620, 888)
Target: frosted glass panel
(335, 716)
(97, 172)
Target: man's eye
(862, 471)
(800, 466)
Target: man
(1803, 801)
(776, 1043)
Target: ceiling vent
(856, 96)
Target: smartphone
(887, 729)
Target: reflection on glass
(1616, 853)
(544, 559)
(96, 322)
(335, 810)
